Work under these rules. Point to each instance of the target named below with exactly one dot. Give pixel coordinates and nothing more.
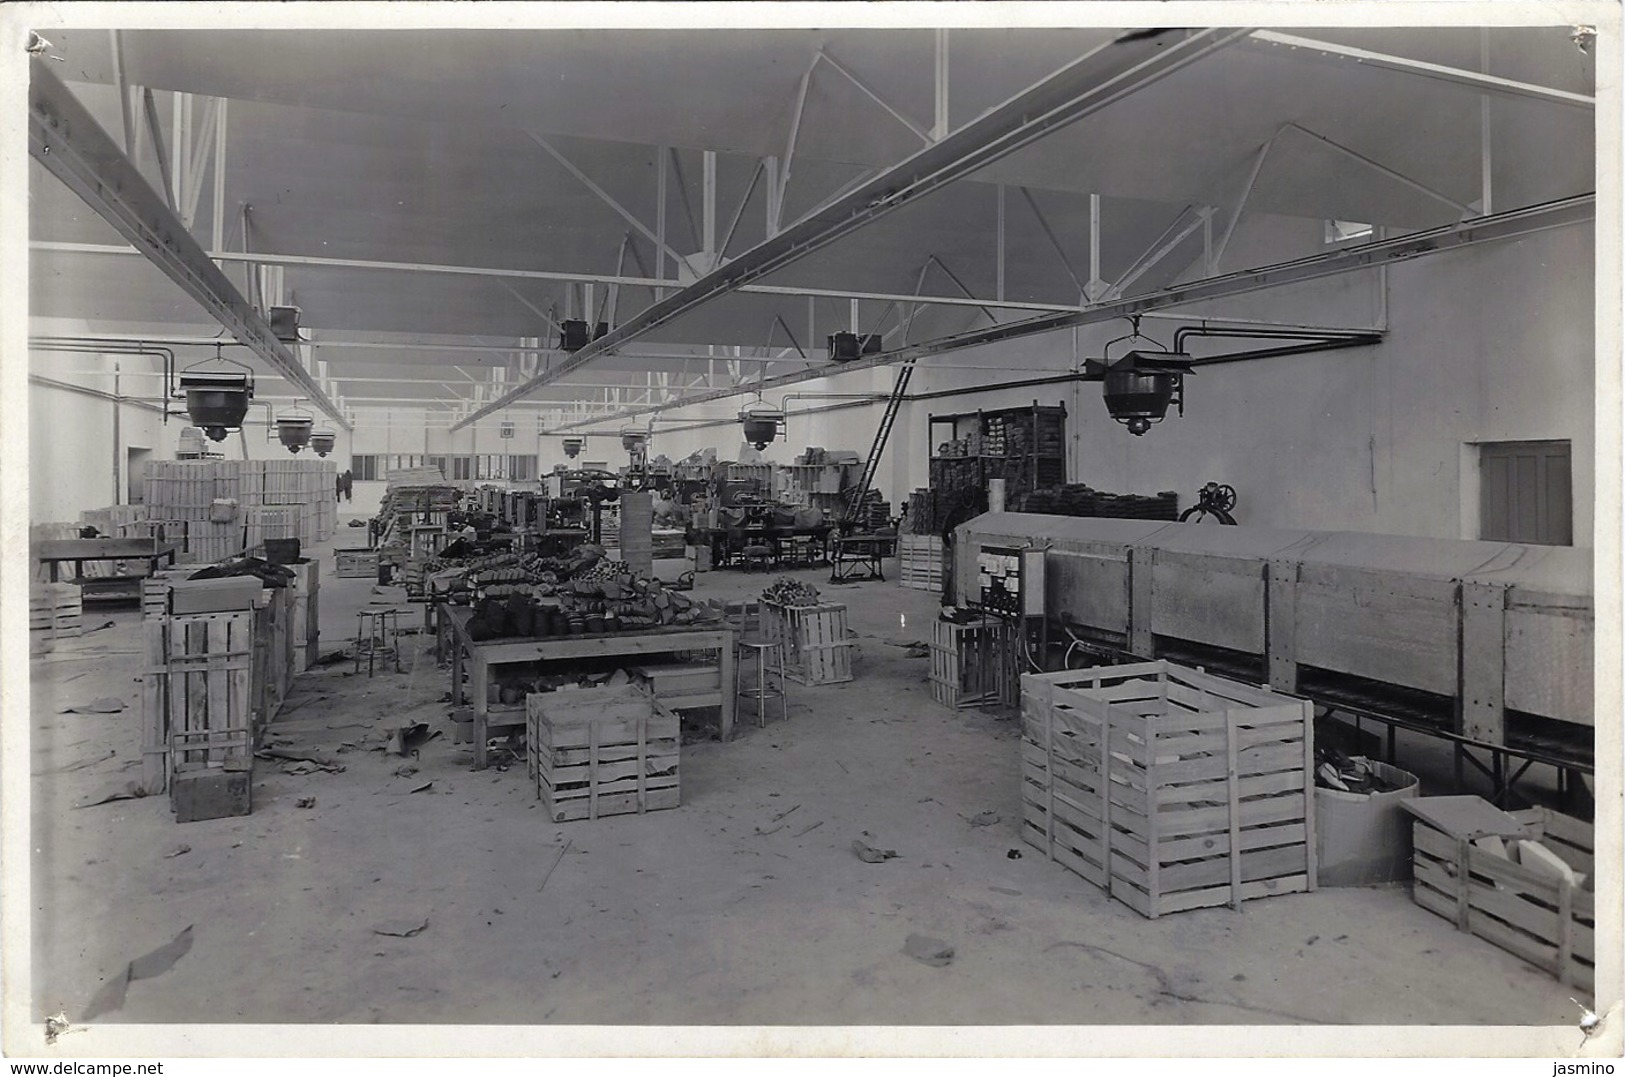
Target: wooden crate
(195, 694)
(303, 629)
(355, 564)
(1545, 922)
(155, 591)
(55, 610)
(974, 665)
(1169, 788)
(818, 649)
(602, 751)
(920, 566)
(683, 686)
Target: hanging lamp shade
(761, 424)
(573, 447)
(217, 400)
(294, 427)
(1139, 387)
(633, 439)
(323, 440)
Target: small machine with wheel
(1215, 500)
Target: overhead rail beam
(1510, 225)
(67, 140)
(1472, 80)
(1085, 86)
(542, 274)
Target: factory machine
(1487, 645)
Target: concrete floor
(678, 917)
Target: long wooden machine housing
(1491, 641)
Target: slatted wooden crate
(355, 564)
(195, 694)
(974, 665)
(602, 751)
(1169, 788)
(155, 591)
(55, 610)
(303, 628)
(920, 566)
(1540, 919)
(817, 646)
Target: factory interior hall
(763, 530)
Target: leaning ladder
(856, 496)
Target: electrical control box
(1010, 581)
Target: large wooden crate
(1542, 920)
(196, 709)
(602, 751)
(55, 610)
(817, 647)
(920, 562)
(1169, 788)
(355, 564)
(303, 630)
(974, 665)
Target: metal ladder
(856, 495)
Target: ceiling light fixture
(1139, 386)
(216, 400)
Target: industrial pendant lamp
(634, 440)
(761, 423)
(217, 399)
(294, 427)
(573, 447)
(323, 440)
(1139, 386)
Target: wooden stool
(758, 555)
(378, 636)
(768, 658)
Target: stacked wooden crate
(1547, 921)
(602, 751)
(303, 628)
(1169, 788)
(921, 562)
(817, 646)
(297, 494)
(155, 591)
(184, 492)
(54, 610)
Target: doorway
(135, 473)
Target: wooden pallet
(602, 751)
(973, 665)
(1541, 920)
(1169, 788)
(55, 610)
(195, 694)
(817, 646)
(920, 564)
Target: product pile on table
(786, 591)
(585, 593)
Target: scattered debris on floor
(982, 818)
(928, 950)
(111, 996)
(808, 829)
(556, 859)
(410, 736)
(1005, 890)
(1013, 854)
(869, 854)
(1349, 774)
(179, 850)
(406, 770)
(305, 802)
(424, 788)
(333, 658)
(107, 705)
(401, 929)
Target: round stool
(768, 660)
(377, 636)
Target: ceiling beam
(1472, 80)
(1510, 225)
(67, 140)
(1088, 84)
(542, 274)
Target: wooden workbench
(483, 655)
(78, 551)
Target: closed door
(1525, 492)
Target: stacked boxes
(186, 491)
